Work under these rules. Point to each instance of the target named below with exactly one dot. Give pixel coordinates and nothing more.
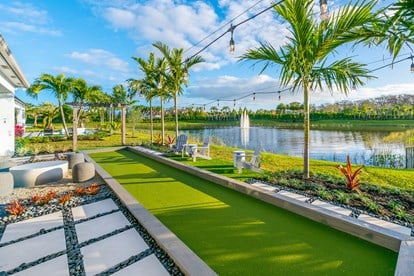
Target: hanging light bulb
(185, 75)
(232, 46)
(254, 96)
(324, 9)
(412, 65)
(218, 102)
(279, 95)
(234, 104)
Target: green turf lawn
(239, 235)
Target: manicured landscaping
(239, 235)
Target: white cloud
(25, 17)
(16, 27)
(184, 23)
(100, 57)
(25, 12)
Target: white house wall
(6, 124)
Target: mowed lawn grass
(238, 235)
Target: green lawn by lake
(239, 235)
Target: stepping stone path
(105, 242)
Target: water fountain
(244, 128)
(244, 120)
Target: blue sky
(95, 40)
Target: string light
(412, 64)
(232, 46)
(254, 97)
(324, 9)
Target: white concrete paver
(104, 254)
(331, 207)
(92, 209)
(56, 267)
(149, 266)
(385, 224)
(293, 195)
(29, 250)
(31, 226)
(264, 186)
(100, 226)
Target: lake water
(324, 145)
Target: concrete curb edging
(378, 235)
(182, 255)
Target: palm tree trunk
(62, 114)
(306, 131)
(176, 116)
(162, 122)
(123, 127)
(75, 130)
(151, 123)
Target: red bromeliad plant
(14, 208)
(80, 191)
(65, 198)
(352, 177)
(170, 140)
(93, 189)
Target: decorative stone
(6, 183)
(82, 172)
(75, 158)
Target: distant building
(11, 109)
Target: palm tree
(122, 97)
(305, 59)
(59, 85)
(177, 72)
(147, 85)
(50, 112)
(161, 91)
(395, 26)
(83, 94)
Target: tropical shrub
(351, 176)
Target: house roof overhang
(9, 68)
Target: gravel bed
(355, 212)
(73, 247)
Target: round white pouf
(75, 158)
(83, 172)
(6, 183)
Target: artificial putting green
(236, 234)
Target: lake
(333, 145)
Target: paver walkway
(106, 239)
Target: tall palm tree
(59, 86)
(146, 86)
(306, 58)
(177, 72)
(162, 84)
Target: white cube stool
(6, 183)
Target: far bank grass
(239, 235)
(400, 178)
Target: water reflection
(324, 144)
